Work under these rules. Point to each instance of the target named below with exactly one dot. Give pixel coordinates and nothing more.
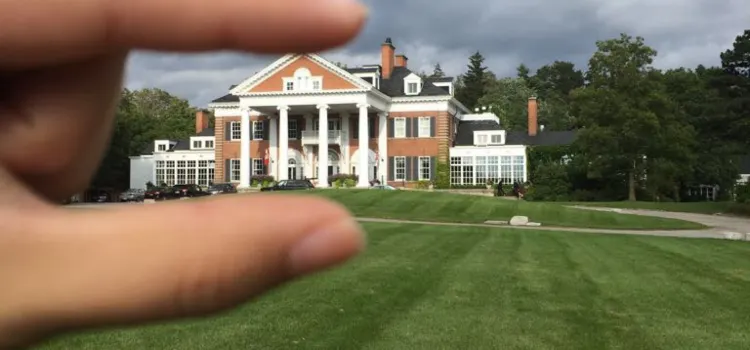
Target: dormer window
(162, 148)
(489, 138)
(413, 84)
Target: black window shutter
(391, 169)
(432, 127)
(390, 127)
(415, 121)
(408, 169)
(372, 127)
(227, 170)
(355, 125)
(408, 127)
(433, 168)
(266, 129)
(228, 131)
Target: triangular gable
(270, 79)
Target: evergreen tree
(474, 82)
(437, 72)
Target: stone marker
(735, 236)
(519, 221)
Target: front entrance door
(292, 173)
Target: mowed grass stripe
(424, 287)
(447, 207)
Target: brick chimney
(386, 58)
(533, 116)
(201, 121)
(401, 60)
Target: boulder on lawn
(734, 236)
(519, 221)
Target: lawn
(685, 207)
(447, 207)
(423, 287)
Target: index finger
(36, 33)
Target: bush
(743, 194)
(443, 176)
(423, 185)
(550, 183)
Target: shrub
(551, 183)
(423, 185)
(443, 176)
(743, 193)
(349, 183)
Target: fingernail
(328, 246)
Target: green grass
(684, 207)
(446, 207)
(424, 287)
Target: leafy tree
(522, 71)
(626, 115)
(508, 99)
(473, 82)
(437, 71)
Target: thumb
(84, 268)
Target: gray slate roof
(466, 129)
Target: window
(208, 144)
(316, 84)
(293, 129)
(234, 168)
(181, 172)
(197, 144)
(162, 147)
(258, 130)
(518, 167)
(288, 85)
(169, 173)
(481, 139)
(236, 130)
(424, 168)
(492, 167)
(424, 127)
(496, 139)
(399, 127)
(159, 172)
(258, 167)
(413, 88)
(399, 168)
(191, 179)
(505, 173)
(481, 170)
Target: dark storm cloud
(506, 32)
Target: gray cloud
(506, 32)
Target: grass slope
(447, 207)
(422, 287)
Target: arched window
(302, 79)
(292, 162)
(333, 157)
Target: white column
(309, 170)
(283, 143)
(274, 146)
(363, 167)
(245, 149)
(345, 154)
(383, 147)
(323, 146)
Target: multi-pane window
(162, 148)
(181, 172)
(259, 168)
(481, 139)
(258, 131)
(481, 170)
(197, 144)
(399, 168)
(289, 85)
(424, 168)
(209, 144)
(496, 139)
(399, 127)
(492, 170)
(234, 170)
(159, 172)
(424, 127)
(293, 129)
(413, 88)
(456, 171)
(505, 167)
(316, 84)
(518, 166)
(236, 131)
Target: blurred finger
(75, 29)
(181, 259)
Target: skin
(69, 269)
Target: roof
(744, 165)
(361, 70)
(184, 144)
(440, 80)
(394, 86)
(466, 129)
(207, 132)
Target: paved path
(718, 225)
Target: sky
(507, 33)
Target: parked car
(290, 185)
(383, 187)
(156, 193)
(181, 191)
(132, 195)
(221, 189)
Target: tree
(473, 82)
(626, 115)
(437, 72)
(734, 88)
(508, 99)
(522, 71)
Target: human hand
(61, 68)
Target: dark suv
(180, 191)
(290, 185)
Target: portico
(333, 130)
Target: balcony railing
(311, 137)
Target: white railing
(311, 137)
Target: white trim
(312, 99)
(395, 168)
(413, 79)
(420, 168)
(396, 120)
(419, 126)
